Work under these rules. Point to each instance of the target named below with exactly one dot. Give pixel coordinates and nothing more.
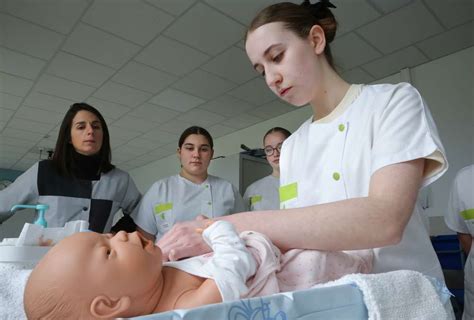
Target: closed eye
(278, 57)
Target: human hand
(184, 240)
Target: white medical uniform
(263, 194)
(334, 158)
(460, 218)
(176, 199)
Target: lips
(283, 92)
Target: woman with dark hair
(263, 193)
(80, 182)
(351, 173)
(191, 193)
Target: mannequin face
(273, 140)
(195, 155)
(87, 265)
(291, 65)
(86, 133)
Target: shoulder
(465, 174)
(217, 180)
(390, 95)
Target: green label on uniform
(288, 192)
(255, 199)
(161, 208)
(467, 214)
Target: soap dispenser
(40, 208)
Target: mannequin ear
(317, 38)
(106, 308)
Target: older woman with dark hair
(80, 182)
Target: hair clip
(321, 3)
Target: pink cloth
(298, 269)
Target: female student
(351, 173)
(189, 194)
(263, 193)
(80, 182)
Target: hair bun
(320, 10)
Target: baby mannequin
(123, 276)
(100, 276)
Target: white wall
(447, 86)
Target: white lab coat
(460, 218)
(176, 199)
(263, 194)
(334, 158)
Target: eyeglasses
(269, 150)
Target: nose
(89, 129)
(273, 79)
(121, 236)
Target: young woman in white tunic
(460, 218)
(189, 194)
(263, 193)
(351, 173)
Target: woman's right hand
(184, 240)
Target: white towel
(402, 294)
(13, 277)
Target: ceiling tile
(143, 143)
(16, 142)
(116, 142)
(160, 137)
(14, 85)
(28, 125)
(172, 6)
(392, 63)
(219, 130)
(241, 121)
(207, 37)
(122, 94)
(121, 134)
(128, 149)
(171, 56)
(48, 102)
(353, 14)
(58, 15)
(154, 113)
(120, 157)
(144, 21)
(448, 42)
(137, 162)
(17, 150)
(272, 109)
(357, 75)
(350, 51)
(39, 115)
(227, 106)
(171, 148)
(137, 124)
(418, 24)
(23, 165)
(233, 64)
(161, 153)
(8, 101)
(203, 84)
(175, 126)
(5, 114)
(200, 117)
(452, 13)
(255, 91)
(176, 100)
(242, 10)
(19, 64)
(97, 45)
(108, 109)
(33, 156)
(389, 6)
(143, 77)
(25, 37)
(21, 134)
(75, 68)
(7, 164)
(63, 88)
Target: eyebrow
(188, 144)
(266, 53)
(83, 122)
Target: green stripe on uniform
(288, 192)
(159, 208)
(255, 199)
(467, 214)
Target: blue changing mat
(330, 303)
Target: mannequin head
(92, 275)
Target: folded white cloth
(230, 264)
(12, 285)
(402, 294)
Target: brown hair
(195, 130)
(300, 19)
(281, 130)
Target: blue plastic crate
(448, 251)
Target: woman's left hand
(184, 240)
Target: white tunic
(334, 158)
(176, 199)
(460, 218)
(263, 194)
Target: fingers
(201, 217)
